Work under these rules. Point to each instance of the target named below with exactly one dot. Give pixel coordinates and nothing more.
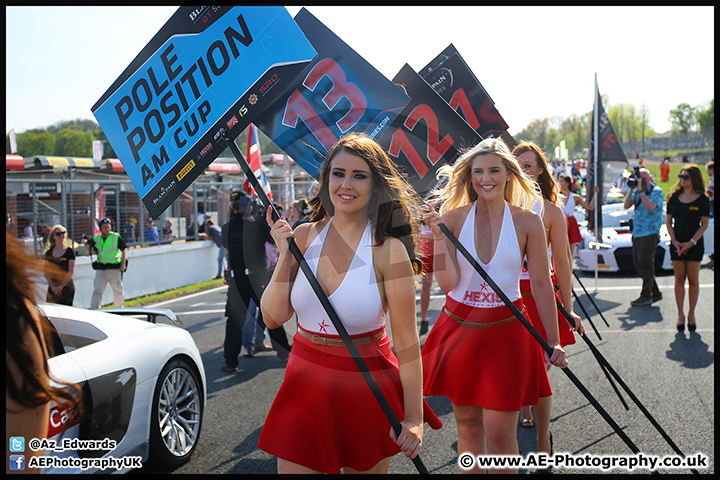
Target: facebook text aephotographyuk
(597, 462)
(104, 463)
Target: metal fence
(33, 207)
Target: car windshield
(617, 218)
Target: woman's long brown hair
(22, 275)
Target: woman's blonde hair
(520, 190)
(51, 237)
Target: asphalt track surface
(671, 374)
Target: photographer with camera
(110, 265)
(647, 219)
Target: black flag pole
(570, 320)
(587, 315)
(591, 299)
(332, 314)
(594, 351)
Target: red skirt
(325, 417)
(567, 336)
(500, 367)
(574, 235)
(427, 247)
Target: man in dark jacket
(244, 236)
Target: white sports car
(143, 385)
(614, 252)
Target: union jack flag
(254, 159)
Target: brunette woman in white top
(362, 245)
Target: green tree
(73, 142)
(536, 132)
(706, 117)
(683, 119)
(644, 119)
(31, 143)
(625, 122)
(85, 125)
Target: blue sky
(535, 62)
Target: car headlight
(599, 246)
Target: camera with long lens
(634, 178)
(90, 241)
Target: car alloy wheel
(176, 414)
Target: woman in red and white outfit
(479, 354)
(361, 244)
(571, 199)
(533, 163)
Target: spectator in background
(296, 214)
(151, 233)
(128, 231)
(28, 232)
(201, 221)
(60, 267)
(167, 230)
(688, 215)
(28, 389)
(665, 171)
(710, 192)
(44, 233)
(215, 234)
(647, 219)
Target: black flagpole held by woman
(594, 351)
(591, 299)
(332, 314)
(587, 315)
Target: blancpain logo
(441, 78)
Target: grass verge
(170, 294)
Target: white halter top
(356, 300)
(504, 267)
(569, 207)
(537, 207)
